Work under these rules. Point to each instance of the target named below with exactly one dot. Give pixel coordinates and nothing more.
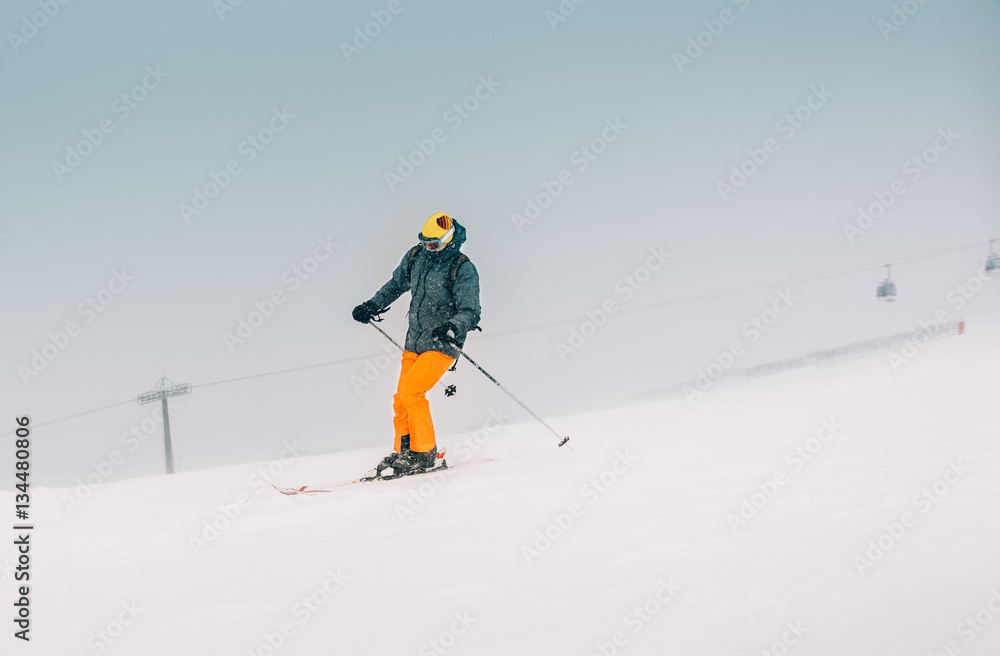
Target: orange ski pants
(412, 412)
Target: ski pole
(386, 335)
(562, 440)
(372, 323)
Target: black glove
(446, 332)
(364, 312)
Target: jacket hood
(455, 245)
(459, 237)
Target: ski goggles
(438, 243)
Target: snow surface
(661, 525)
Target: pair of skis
(372, 476)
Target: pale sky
(117, 114)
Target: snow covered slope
(852, 510)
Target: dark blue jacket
(431, 303)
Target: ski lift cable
(79, 414)
(644, 308)
(217, 382)
(318, 365)
(743, 290)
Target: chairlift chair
(887, 288)
(993, 261)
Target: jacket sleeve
(398, 284)
(466, 294)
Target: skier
(444, 306)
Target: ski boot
(414, 462)
(390, 460)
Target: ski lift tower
(163, 390)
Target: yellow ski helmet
(437, 232)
